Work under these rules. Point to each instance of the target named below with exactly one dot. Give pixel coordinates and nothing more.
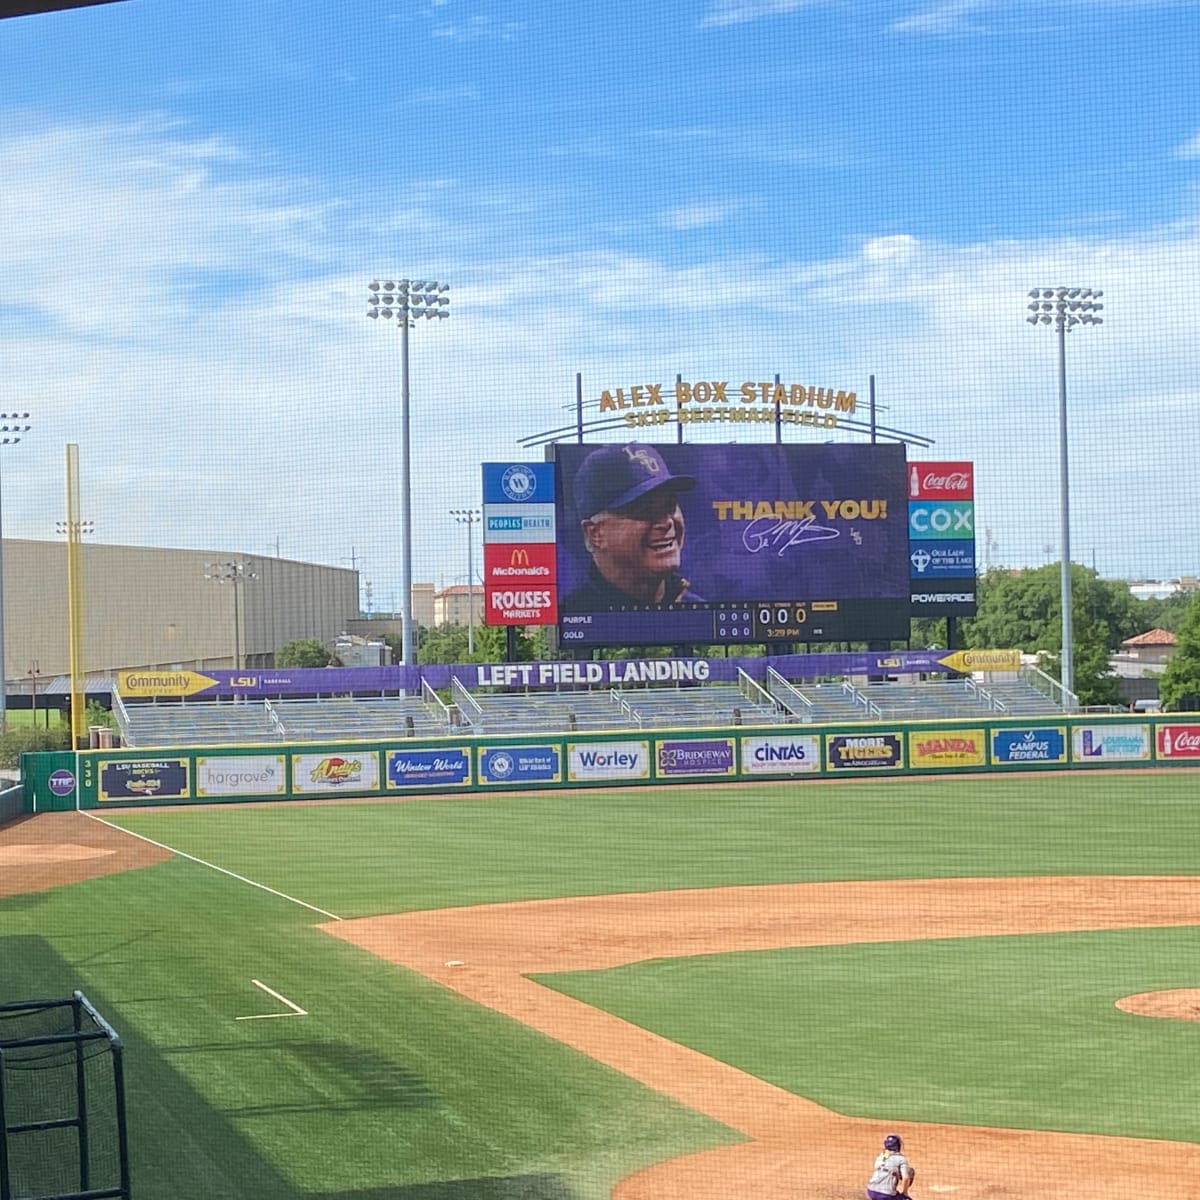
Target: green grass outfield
(394, 1089)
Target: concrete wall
(147, 607)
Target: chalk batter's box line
(296, 1010)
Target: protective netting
(60, 1089)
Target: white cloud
(197, 327)
(947, 17)
(697, 216)
(738, 12)
(1190, 148)
(480, 27)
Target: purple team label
(696, 758)
(61, 782)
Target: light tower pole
(1064, 308)
(12, 426)
(235, 572)
(406, 300)
(469, 517)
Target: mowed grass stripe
(389, 1082)
(361, 859)
(1020, 1032)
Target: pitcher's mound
(1181, 1003)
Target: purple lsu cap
(615, 476)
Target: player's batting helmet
(892, 1142)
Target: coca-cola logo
(1185, 741)
(957, 481)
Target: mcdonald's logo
(528, 563)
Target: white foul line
(297, 1011)
(213, 866)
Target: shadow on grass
(180, 1147)
(514, 1187)
(351, 1078)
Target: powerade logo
(1041, 745)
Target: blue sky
(196, 192)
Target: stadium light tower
(234, 572)
(12, 426)
(406, 300)
(1064, 308)
(469, 517)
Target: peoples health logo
(518, 483)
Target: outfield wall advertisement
(63, 780)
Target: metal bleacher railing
(746, 702)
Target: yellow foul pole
(75, 599)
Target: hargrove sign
(709, 400)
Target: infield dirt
(794, 1147)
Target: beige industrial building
(148, 607)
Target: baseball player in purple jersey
(893, 1174)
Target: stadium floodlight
(1064, 308)
(234, 571)
(407, 302)
(12, 427)
(82, 528)
(469, 517)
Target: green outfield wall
(96, 779)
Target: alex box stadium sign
(521, 606)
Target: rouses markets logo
(518, 483)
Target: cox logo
(951, 520)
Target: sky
(195, 195)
